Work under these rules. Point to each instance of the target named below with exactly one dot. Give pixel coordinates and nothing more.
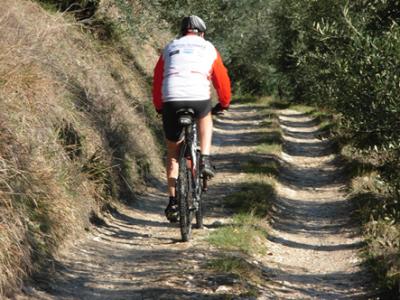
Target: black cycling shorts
(173, 131)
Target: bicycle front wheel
(199, 215)
(198, 192)
(184, 197)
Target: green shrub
(240, 31)
(81, 8)
(344, 56)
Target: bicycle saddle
(185, 116)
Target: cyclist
(181, 79)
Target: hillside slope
(77, 131)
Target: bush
(82, 8)
(240, 31)
(345, 57)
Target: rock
(27, 290)
(226, 279)
(200, 255)
(223, 289)
(188, 284)
(217, 223)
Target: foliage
(81, 8)
(344, 56)
(383, 256)
(240, 32)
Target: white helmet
(192, 24)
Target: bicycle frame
(189, 185)
(190, 144)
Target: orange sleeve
(221, 81)
(157, 83)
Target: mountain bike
(190, 183)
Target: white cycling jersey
(187, 67)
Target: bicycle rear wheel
(184, 197)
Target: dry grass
(377, 212)
(376, 209)
(73, 134)
(249, 275)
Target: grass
(264, 101)
(251, 203)
(266, 166)
(271, 143)
(253, 197)
(303, 108)
(72, 136)
(383, 256)
(232, 264)
(245, 237)
(49, 6)
(327, 123)
(246, 99)
(246, 234)
(240, 268)
(278, 104)
(376, 209)
(377, 213)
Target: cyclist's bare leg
(205, 136)
(205, 133)
(172, 165)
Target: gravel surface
(137, 254)
(312, 245)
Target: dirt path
(136, 254)
(313, 244)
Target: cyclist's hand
(218, 109)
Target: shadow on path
(310, 220)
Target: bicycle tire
(199, 211)
(184, 195)
(199, 215)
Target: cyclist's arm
(157, 84)
(221, 81)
